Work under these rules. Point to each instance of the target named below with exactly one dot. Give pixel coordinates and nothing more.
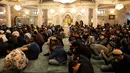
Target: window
(34, 12)
(101, 12)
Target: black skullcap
(112, 44)
(76, 43)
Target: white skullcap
(4, 38)
(2, 31)
(8, 31)
(53, 38)
(117, 52)
(28, 35)
(16, 33)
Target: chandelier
(17, 7)
(119, 6)
(65, 1)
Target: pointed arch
(79, 17)
(57, 19)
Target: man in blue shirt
(58, 56)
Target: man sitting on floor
(58, 55)
(83, 66)
(31, 50)
(121, 64)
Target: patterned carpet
(41, 64)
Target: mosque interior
(64, 13)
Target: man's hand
(102, 51)
(6, 65)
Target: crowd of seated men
(18, 45)
(110, 43)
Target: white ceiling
(35, 3)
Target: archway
(67, 20)
(79, 17)
(57, 19)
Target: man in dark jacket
(58, 56)
(3, 48)
(122, 63)
(83, 66)
(31, 50)
(82, 49)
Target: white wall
(58, 14)
(120, 17)
(106, 20)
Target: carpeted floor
(41, 64)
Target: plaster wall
(120, 17)
(75, 13)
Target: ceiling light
(26, 12)
(62, 10)
(65, 1)
(17, 7)
(52, 11)
(119, 6)
(112, 11)
(83, 10)
(73, 10)
(1, 12)
(24, 15)
(1, 19)
(4, 10)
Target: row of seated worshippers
(18, 45)
(108, 43)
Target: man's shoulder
(83, 58)
(59, 49)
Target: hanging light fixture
(73, 10)
(83, 10)
(62, 10)
(112, 11)
(119, 6)
(52, 11)
(65, 1)
(17, 7)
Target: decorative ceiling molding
(19, 2)
(44, 1)
(13, 0)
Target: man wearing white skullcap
(2, 35)
(117, 52)
(122, 62)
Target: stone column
(86, 16)
(95, 16)
(45, 16)
(40, 15)
(90, 15)
(8, 16)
